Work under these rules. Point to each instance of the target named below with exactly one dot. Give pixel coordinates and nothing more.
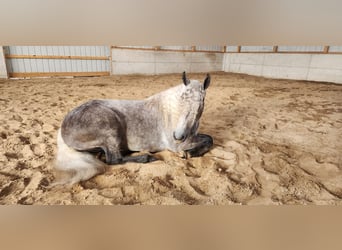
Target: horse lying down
(115, 128)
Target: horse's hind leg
(116, 158)
(113, 157)
(113, 151)
(199, 145)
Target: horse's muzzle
(181, 139)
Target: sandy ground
(275, 142)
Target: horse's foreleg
(199, 145)
(139, 158)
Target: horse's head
(191, 105)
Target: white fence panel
(232, 48)
(256, 48)
(300, 48)
(23, 61)
(214, 48)
(335, 49)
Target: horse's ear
(185, 80)
(206, 81)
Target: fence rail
(174, 48)
(242, 49)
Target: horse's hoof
(151, 158)
(185, 155)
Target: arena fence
(285, 49)
(309, 63)
(40, 61)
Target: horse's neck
(168, 99)
(168, 105)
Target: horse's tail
(73, 166)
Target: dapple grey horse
(168, 120)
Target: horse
(168, 120)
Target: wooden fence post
(326, 49)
